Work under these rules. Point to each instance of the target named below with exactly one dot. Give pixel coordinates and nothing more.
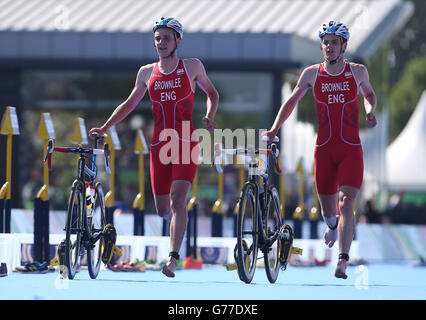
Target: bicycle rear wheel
(247, 234)
(95, 223)
(272, 225)
(74, 231)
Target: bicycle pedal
(54, 262)
(109, 237)
(116, 250)
(285, 245)
(295, 250)
(231, 266)
(61, 253)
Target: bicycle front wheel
(74, 231)
(272, 226)
(247, 234)
(95, 224)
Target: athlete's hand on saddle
(371, 120)
(97, 132)
(270, 135)
(209, 123)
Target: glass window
(245, 99)
(57, 89)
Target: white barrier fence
(16, 248)
(374, 243)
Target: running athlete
(171, 83)
(338, 153)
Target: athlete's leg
(162, 205)
(326, 183)
(350, 175)
(179, 192)
(182, 176)
(178, 223)
(161, 181)
(346, 228)
(328, 205)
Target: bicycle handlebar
(219, 152)
(79, 150)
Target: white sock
(331, 222)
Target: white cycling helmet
(334, 27)
(169, 23)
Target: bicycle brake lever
(49, 149)
(276, 154)
(217, 157)
(49, 152)
(218, 167)
(277, 168)
(106, 155)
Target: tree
(405, 95)
(409, 42)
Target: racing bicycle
(259, 221)
(85, 221)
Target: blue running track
(371, 282)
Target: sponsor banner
(213, 255)
(374, 243)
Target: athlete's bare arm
(198, 75)
(361, 74)
(137, 94)
(305, 82)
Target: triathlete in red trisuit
(171, 83)
(338, 153)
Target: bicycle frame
(82, 171)
(264, 241)
(83, 229)
(253, 174)
(255, 212)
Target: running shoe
(3, 269)
(34, 267)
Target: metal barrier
(299, 212)
(217, 211)
(42, 202)
(191, 230)
(241, 181)
(314, 213)
(9, 127)
(141, 149)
